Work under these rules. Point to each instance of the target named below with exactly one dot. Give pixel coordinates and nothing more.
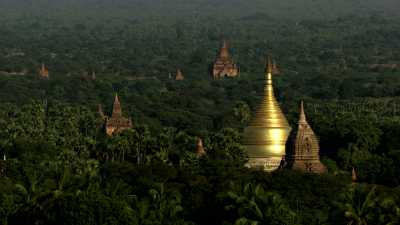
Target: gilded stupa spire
(265, 138)
(269, 113)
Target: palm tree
(253, 206)
(160, 207)
(358, 207)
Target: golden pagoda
(265, 139)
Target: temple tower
(179, 75)
(117, 122)
(224, 65)
(200, 148)
(44, 72)
(353, 176)
(304, 149)
(265, 138)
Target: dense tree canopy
(58, 166)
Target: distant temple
(265, 138)
(304, 149)
(353, 176)
(44, 72)
(200, 148)
(117, 122)
(224, 65)
(179, 75)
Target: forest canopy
(58, 166)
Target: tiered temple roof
(304, 149)
(265, 138)
(117, 122)
(224, 65)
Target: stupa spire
(269, 113)
(302, 117)
(224, 52)
(224, 44)
(117, 111)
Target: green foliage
(362, 205)
(252, 205)
(61, 168)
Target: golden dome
(265, 139)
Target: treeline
(61, 168)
